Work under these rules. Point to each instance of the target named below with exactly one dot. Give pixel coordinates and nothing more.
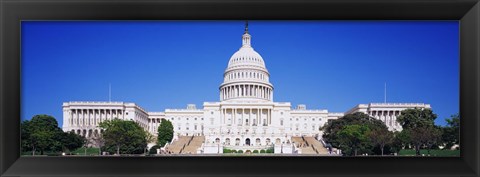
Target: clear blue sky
(332, 65)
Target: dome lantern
(246, 37)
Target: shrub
(234, 151)
(262, 151)
(240, 151)
(270, 150)
(255, 151)
(225, 150)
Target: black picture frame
(14, 11)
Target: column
(263, 92)
(85, 117)
(268, 93)
(99, 116)
(269, 117)
(388, 118)
(102, 112)
(242, 90)
(243, 117)
(234, 116)
(222, 119)
(79, 117)
(239, 87)
(90, 117)
(267, 121)
(396, 115)
(74, 113)
(260, 92)
(249, 117)
(384, 117)
(259, 116)
(82, 119)
(70, 119)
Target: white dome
(246, 56)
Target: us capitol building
(246, 117)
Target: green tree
(332, 128)
(41, 133)
(412, 118)
(400, 141)
(434, 137)
(451, 132)
(381, 137)
(419, 124)
(123, 137)
(354, 138)
(72, 141)
(165, 132)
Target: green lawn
(438, 153)
(90, 151)
(79, 151)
